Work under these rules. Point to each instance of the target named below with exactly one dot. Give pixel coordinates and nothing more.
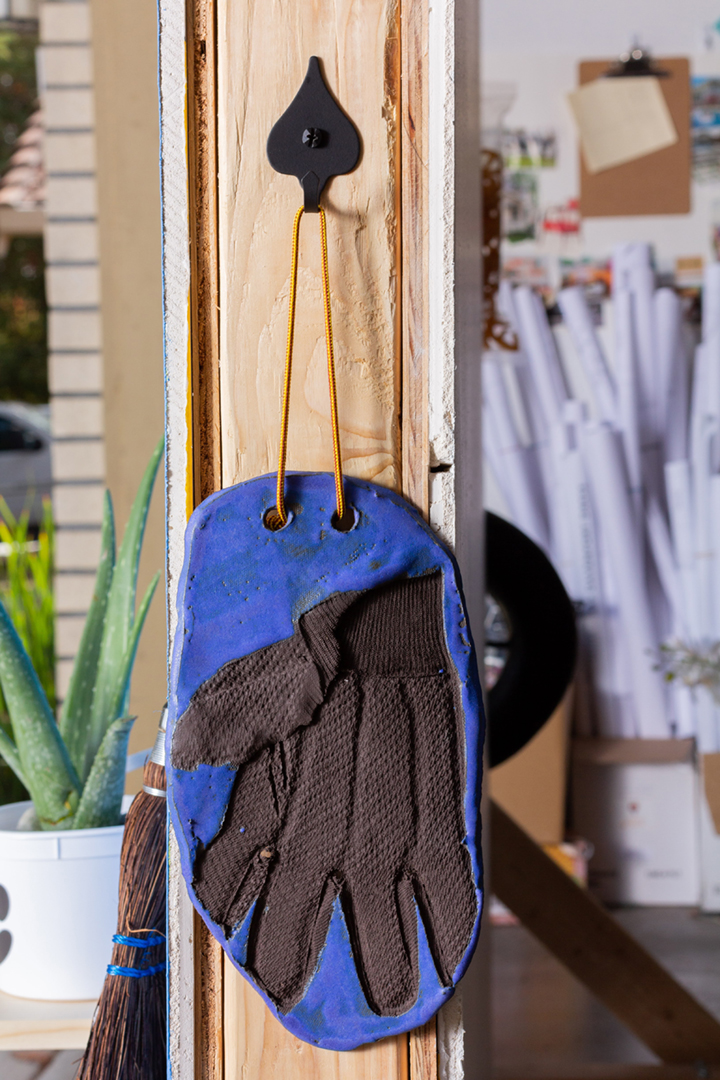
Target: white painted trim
(176, 296)
(455, 326)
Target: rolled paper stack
(622, 490)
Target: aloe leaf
(112, 678)
(117, 703)
(101, 801)
(77, 708)
(8, 750)
(50, 775)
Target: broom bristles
(127, 1039)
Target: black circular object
(313, 137)
(5, 944)
(4, 903)
(543, 638)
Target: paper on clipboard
(621, 119)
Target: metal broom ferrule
(157, 755)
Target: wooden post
(226, 317)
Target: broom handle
(157, 757)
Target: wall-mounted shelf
(44, 1025)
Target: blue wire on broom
(128, 1035)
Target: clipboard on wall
(658, 183)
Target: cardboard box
(709, 811)
(532, 785)
(637, 801)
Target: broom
(128, 1038)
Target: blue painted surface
(242, 588)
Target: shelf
(44, 1025)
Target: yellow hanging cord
(281, 518)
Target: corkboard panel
(658, 183)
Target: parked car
(25, 472)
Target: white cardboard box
(709, 827)
(638, 801)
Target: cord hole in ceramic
(272, 520)
(347, 522)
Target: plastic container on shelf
(58, 908)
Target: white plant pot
(58, 908)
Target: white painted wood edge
(176, 299)
(455, 299)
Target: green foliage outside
(74, 768)
(23, 333)
(26, 590)
(18, 87)
(23, 322)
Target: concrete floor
(543, 1018)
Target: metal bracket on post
(313, 140)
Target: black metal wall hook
(313, 139)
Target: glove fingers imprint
(287, 935)
(231, 869)
(440, 858)
(289, 931)
(384, 937)
(381, 918)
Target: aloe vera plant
(74, 770)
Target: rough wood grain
(263, 51)
(414, 309)
(598, 951)
(414, 232)
(204, 322)
(257, 1046)
(424, 1052)
(209, 987)
(202, 164)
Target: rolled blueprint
(667, 568)
(597, 623)
(576, 508)
(625, 259)
(678, 485)
(576, 313)
(539, 347)
(527, 393)
(704, 427)
(626, 368)
(677, 415)
(714, 516)
(711, 301)
(567, 556)
(669, 349)
(519, 482)
(642, 286)
(534, 416)
(603, 457)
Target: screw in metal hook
(313, 137)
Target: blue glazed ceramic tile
(243, 587)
